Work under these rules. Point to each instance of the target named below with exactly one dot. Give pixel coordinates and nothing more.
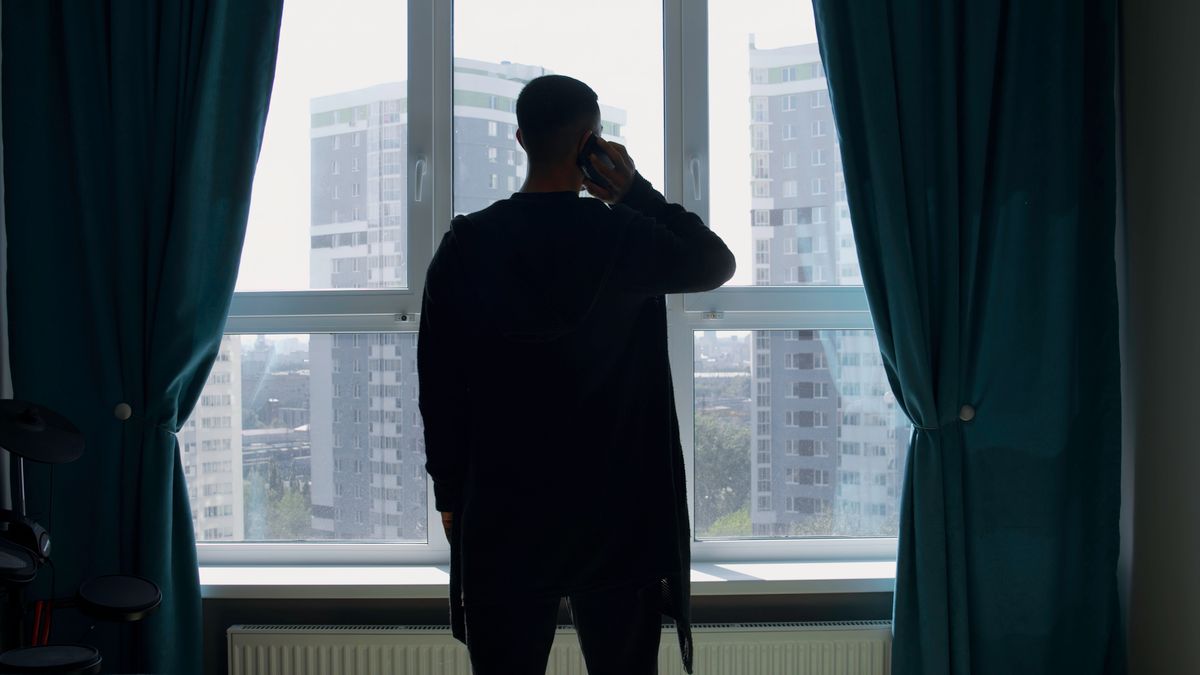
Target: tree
(290, 516)
(722, 469)
(276, 508)
(736, 524)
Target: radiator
(827, 648)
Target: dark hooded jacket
(550, 424)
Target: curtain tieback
(965, 414)
(124, 412)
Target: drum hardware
(36, 433)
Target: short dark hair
(552, 112)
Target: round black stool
(119, 597)
(56, 659)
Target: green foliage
(735, 524)
(276, 508)
(722, 480)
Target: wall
(1161, 63)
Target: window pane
(308, 437)
(797, 435)
(768, 102)
(327, 209)
(499, 46)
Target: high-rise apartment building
(368, 478)
(827, 440)
(211, 450)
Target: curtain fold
(977, 145)
(131, 134)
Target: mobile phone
(591, 149)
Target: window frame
(430, 145)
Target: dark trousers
(618, 630)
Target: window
(347, 78)
(818, 186)
(758, 107)
(761, 168)
(818, 157)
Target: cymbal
(37, 433)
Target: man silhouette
(550, 426)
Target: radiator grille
(823, 648)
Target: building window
(491, 127)
(789, 188)
(818, 186)
(818, 157)
(762, 217)
(818, 128)
(761, 169)
(493, 181)
(759, 110)
(817, 99)
(491, 155)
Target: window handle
(694, 167)
(419, 177)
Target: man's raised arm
(671, 249)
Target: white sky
(616, 47)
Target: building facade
(827, 439)
(210, 447)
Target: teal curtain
(131, 133)
(977, 141)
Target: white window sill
(428, 581)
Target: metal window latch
(714, 316)
(406, 317)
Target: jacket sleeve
(443, 387)
(671, 250)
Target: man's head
(554, 112)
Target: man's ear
(521, 140)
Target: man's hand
(447, 522)
(620, 176)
